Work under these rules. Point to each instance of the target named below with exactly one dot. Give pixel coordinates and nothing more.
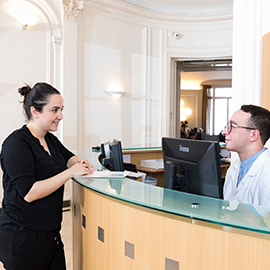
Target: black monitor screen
(192, 166)
(112, 157)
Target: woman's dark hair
(36, 96)
(260, 120)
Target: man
(248, 179)
(187, 132)
(191, 135)
(199, 134)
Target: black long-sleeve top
(24, 161)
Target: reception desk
(135, 156)
(122, 224)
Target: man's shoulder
(262, 165)
(265, 156)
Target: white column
(58, 73)
(70, 75)
(251, 22)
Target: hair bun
(24, 90)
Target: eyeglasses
(230, 125)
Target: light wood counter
(136, 155)
(125, 224)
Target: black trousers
(27, 251)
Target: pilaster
(71, 9)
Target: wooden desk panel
(137, 155)
(158, 237)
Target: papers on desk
(153, 164)
(139, 176)
(106, 174)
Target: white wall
(111, 42)
(22, 60)
(26, 56)
(251, 22)
(105, 42)
(122, 44)
(134, 49)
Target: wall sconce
(115, 94)
(115, 91)
(25, 15)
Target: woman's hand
(41, 189)
(86, 162)
(75, 159)
(82, 167)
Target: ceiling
(194, 72)
(185, 7)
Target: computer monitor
(192, 166)
(217, 138)
(112, 157)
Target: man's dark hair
(191, 135)
(260, 120)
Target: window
(218, 108)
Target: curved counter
(125, 224)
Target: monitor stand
(170, 180)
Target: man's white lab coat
(254, 187)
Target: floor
(66, 237)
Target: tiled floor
(66, 237)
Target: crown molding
(154, 15)
(71, 9)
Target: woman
(35, 168)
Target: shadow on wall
(5, 88)
(91, 140)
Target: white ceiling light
(24, 14)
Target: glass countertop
(226, 213)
